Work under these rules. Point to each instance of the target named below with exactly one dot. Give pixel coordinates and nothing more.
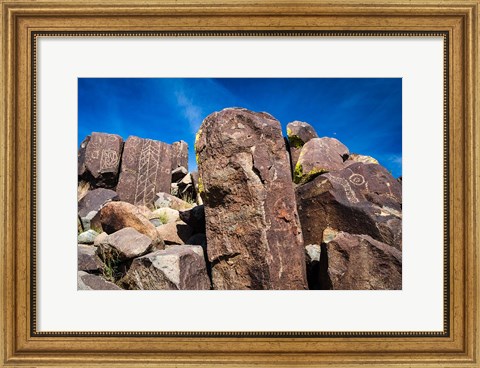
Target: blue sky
(363, 113)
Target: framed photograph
(239, 184)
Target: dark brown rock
(81, 156)
(179, 155)
(318, 156)
(94, 200)
(88, 260)
(358, 262)
(146, 170)
(299, 133)
(179, 267)
(86, 281)
(102, 159)
(115, 216)
(360, 199)
(254, 237)
(195, 218)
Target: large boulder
(359, 262)
(318, 156)
(252, 227)
(86, 281)
(146, 169)
(298, 133)
(94, 200)
(179, 155)
(360, 199)
(125, 244)
(115, 216)
(102, 159)
(176, 268)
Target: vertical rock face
(102, 159)
(253, 231)
(146, 170)
(179, 155)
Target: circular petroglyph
(357, 179)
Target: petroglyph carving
(109, 159)
(346, 187)
(357, 179)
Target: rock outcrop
(360, 199)
(253, 233)
(146, 170)
(263, 211)
(318, 156)
(102, 159)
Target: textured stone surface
(175, 232)
(360, 199)
(94, 200)
(163, 199)
(115, 216)
(175, 268)
(179, 155)
(358, 262)
(319, 155)
(87, 237)
(82, 189)
(88, 260)
(254, 237)
(125, 244)
(81, 156)
(146, 170)
(102, 159)
(195, 218)
(86, 281)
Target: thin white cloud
(192, 112)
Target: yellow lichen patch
(297, 173)
(201, 189)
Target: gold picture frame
(23, 21)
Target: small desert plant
(163, 218)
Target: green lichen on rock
(297, 173)
(201, 189)
(295, 141)
(300, 178)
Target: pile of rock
(350, 208)
(286, 214)
(133, 233)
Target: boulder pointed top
(299, 133)
(234, 121)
